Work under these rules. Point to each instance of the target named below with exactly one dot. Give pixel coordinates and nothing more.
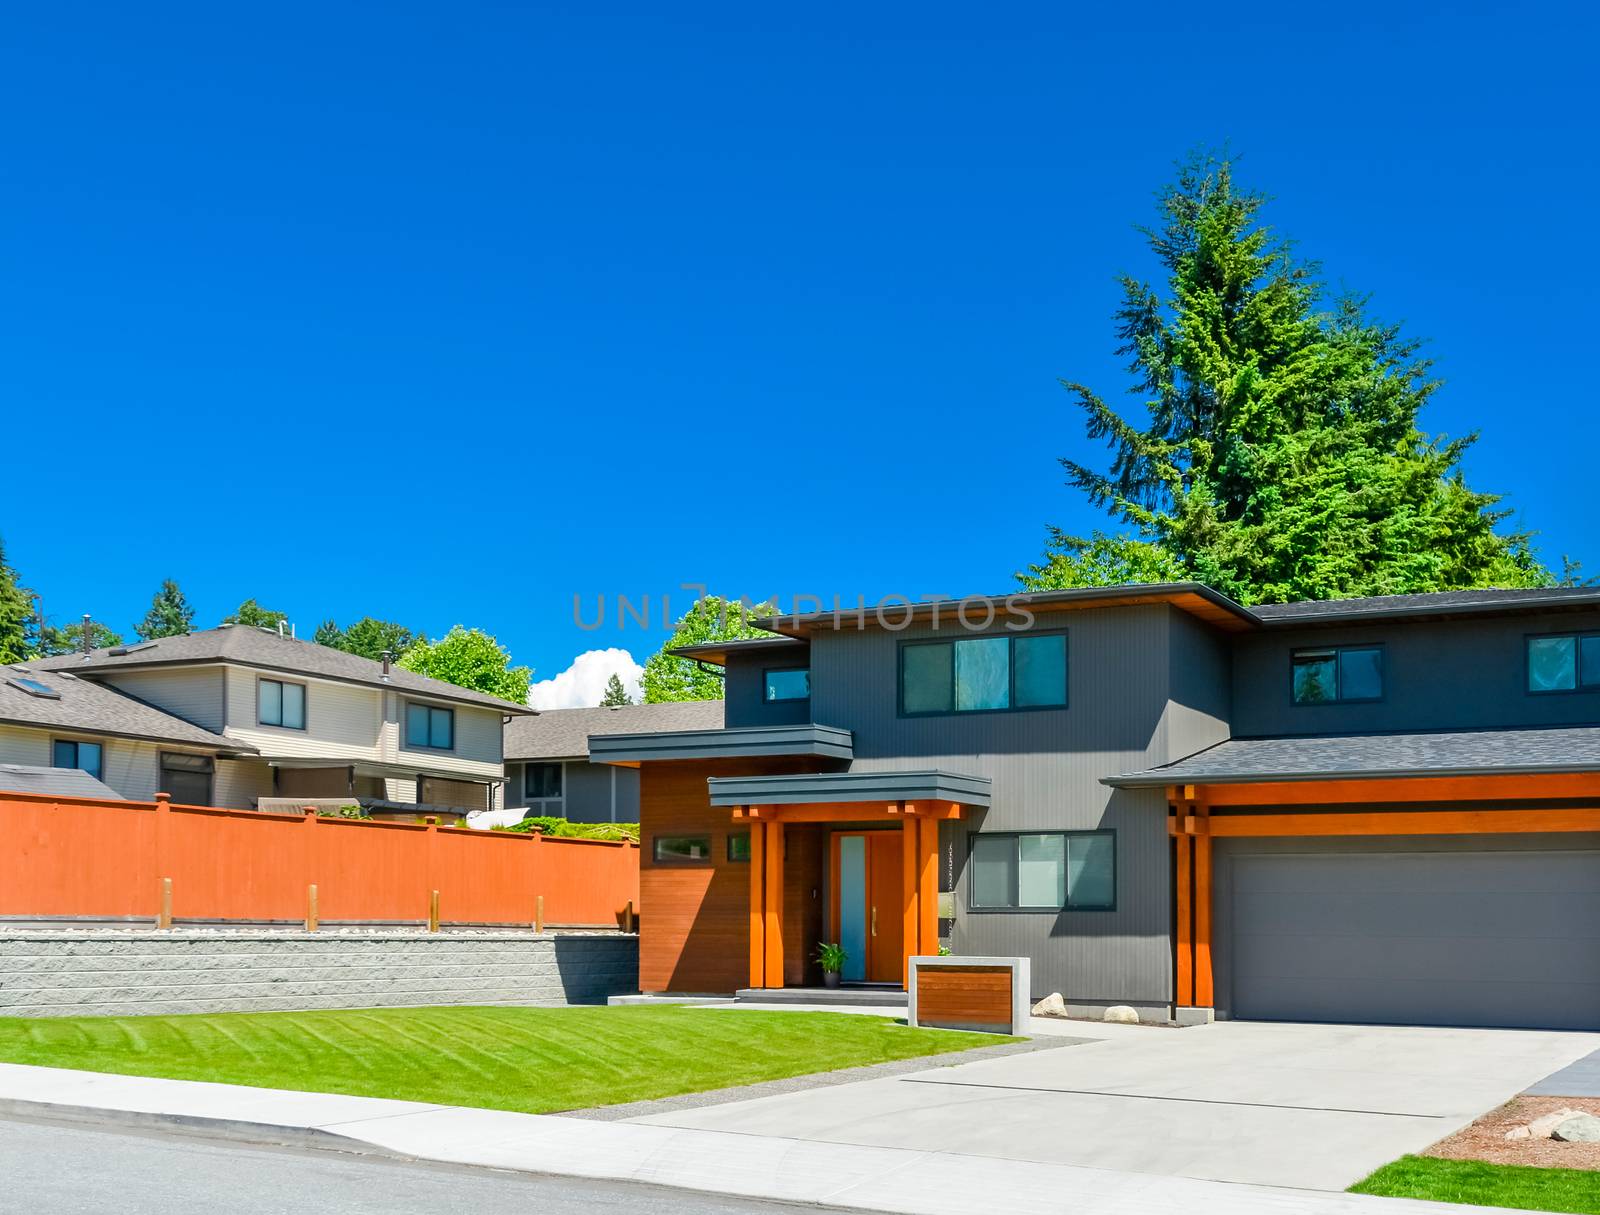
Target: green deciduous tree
(1280, 457)
(69, 640)
(469, 658)
(16, 614)
(169, 616)
(712, 618)
(252, 613)
(615, 694)
(368, 637)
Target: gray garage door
(1421, 938)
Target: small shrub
(560, 828)
(350, 811)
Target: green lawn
(1488, 1185)
(534, 1060)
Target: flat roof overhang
(880, 788)
(746, 742)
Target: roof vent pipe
(387, 656)
(88, 634)
(280, 628)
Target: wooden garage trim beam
(1523, 788)
(1406, 822)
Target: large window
(681, 849)
(791, 684)
(69, 753)
(1336, 674)
(1568, 663)
(541, 786)
(430, 727)
(984, 674)
(281, 704)
(187, 778)
(1048, 871)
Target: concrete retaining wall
(114, 973)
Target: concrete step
(864, 997)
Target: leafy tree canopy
(16, 614)
(712, 618)
(69, 640)
(368, 637)
(469, 658)
(169, 616)
(615, 693)
(252, 613)
(1280, 456)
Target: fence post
(538, 913)
(312, 918)
(163, 851)
(430, 858)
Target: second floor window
(281, 704)
(791, 684)
(430, 727)
(69, 753)
(1336, 674)
(984, 674)
(541, 782)
(1569, 663)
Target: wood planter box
(990, 995)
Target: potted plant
(832, 958)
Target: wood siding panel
(694, 930)
(964, 996)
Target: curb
(232, 1130)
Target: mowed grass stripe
(532, 1060)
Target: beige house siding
(195, 694)
(239, 782)
(342, 720)
(129, 767)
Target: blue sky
(451, 313)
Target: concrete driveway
(1309, 1106)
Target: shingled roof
(1434, 603)
(1373, 756)
(83, 706)
(564, 733)
(55, 782)
(267, 650)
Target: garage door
(1424, 938)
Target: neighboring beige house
(285, 718)
(50, 718)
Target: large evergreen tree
(712, 618)
(368, 637)
(169, 616)
(16, 614)
(615, 694)
(1281, 456)
(253, 614)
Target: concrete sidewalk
(753, 1166)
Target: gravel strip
(797, 1084)
(1486, 1138)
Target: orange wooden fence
(66, 856)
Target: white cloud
(583, 683)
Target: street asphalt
(67, 1169)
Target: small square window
(430, 727)
(1337, 674)
(792, 684)
(68, 753)
(1566, 663)
(739, 846)
(281, 704)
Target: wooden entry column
(766, 901)
(1190, 826)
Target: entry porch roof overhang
(928, 787)
(746, 742)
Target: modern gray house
(547, 758)
(1379, 810)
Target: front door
(868, 904)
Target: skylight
(34, 688)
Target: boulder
(1540, 1128)
(1583, 1128)
(1519, 1132)
(1122, 1014)
(1051, 1006)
